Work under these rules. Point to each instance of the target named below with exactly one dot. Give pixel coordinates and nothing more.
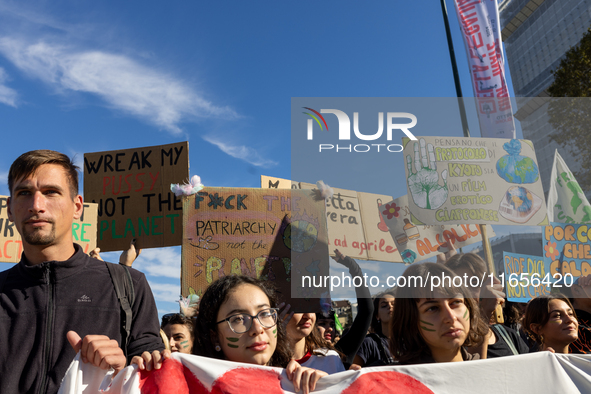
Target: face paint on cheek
(465, 313)
(425, 328)
(185, 344)
(275, 332)
(230, 339)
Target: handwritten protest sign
(279, 235)
(354, 223)
(132, 190)
(268, 182)
(11, 247)
(473, 181)
(420, 242)
(567, 249)
(525, 277)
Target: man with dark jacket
(58, 300)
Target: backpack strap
(499, 329)
(123, 285)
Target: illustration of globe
(515, 168)
(300, 236)
(520, 199)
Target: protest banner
(354, 223)
(278, 235)
(473, 181)
(567, 250)
(553, 373)
(11, 247)
(268, 182)
(132, 190)
(421, 242)
(567, 202)
(525, 277)
(481, 30)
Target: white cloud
(165, 292)
(245, 153)
(160, 262)
(123, 83)
(8, 96)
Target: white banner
(566, 200)
(542, 372)
(479, 22)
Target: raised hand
(423, 183)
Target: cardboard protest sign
(420, 242)
(567, 202)
(567, 250)
(525, 277)
(278, 235)
(378, 241)
(473, 181)
(354, 223)
(268, 182)
(11, 247)
(132, 190)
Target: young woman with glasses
(237, 321)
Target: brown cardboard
(132, 190)
(11, 247)
(378, 240)
(268, 182)
(253, 232)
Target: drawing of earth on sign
(301, 233)
(519, 204)
(423, 183)
(515, 168)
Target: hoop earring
(218, 348)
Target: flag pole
(485, 242)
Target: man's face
(42, 207)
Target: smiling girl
(433, 325)
(551, 321)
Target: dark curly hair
(211, 302)
(406, 342)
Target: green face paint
(183, 342)
(426, 323)
(466, 314)
(275, 332)
(232, 346)
(232, 339)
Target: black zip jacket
(39, 304)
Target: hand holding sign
(423, 184)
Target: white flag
(566, 201)
(479, 22)
(541, 372)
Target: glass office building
(536, 35)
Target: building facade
(536, 35)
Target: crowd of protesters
(58, 301)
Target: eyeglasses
(241, 322)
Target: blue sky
(87, 76)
